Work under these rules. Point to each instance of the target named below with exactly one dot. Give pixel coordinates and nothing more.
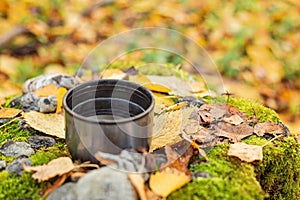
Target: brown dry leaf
(268, 127)
(59, 96)
(233, 132)
(55, 167)
(246, 152)
(9, 113)
(138, 183)
(104, 161)
(176, 161)
(47, 90)
(165, 182)
(56, 184)
(210, 113)
(51, 124)
(234, 119)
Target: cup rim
(106, 121)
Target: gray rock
(29, 101)
(38, 142)
(105, 183)
(64, 192)
(47, 104)
(60, 80)
(16, 165)
(12, 148)
(2, 164)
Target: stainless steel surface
(108, 116)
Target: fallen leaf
(210, 113)
(164, 99)
(59, 97)
(138, 183)
(146, 82)
(268, 127)
(113, 74)
(2, 101)
(246, 152)
(169, 126)
(165, 182)
(233, 132)
(56, 184)
(50, 124)
(151, 195)
(176, 85)
(56, 167)
(234, 119)
(9, 65)
(9, 113)
(47, 90)
(178, 161)
(196, 87)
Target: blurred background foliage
(255, 44)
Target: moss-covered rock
(231, 179)
(24, 187)
(277, 177)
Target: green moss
(250, 107)
(231, 179)
(156, 69)
(44, 156)
(13, 131)
(15, 187)
(279, 173)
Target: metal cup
(108, 116)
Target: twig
(274, 138)
(11, 34)
(9, 122)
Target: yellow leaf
(51, 124)
(60, 95)
(47, 90)
(164, 99)
(165, 182)
(197, 87)
(169, 126)
(2, 101)
(55, 167)
(146, 82)
(9, 65)
(113, 74)
(9, 112)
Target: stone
(64, 192)
(12, 148)
(29, 102)
(16, 165)
(105, 183)
(47, 104)
(2, 164)
(37, 142)
(60, 80)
